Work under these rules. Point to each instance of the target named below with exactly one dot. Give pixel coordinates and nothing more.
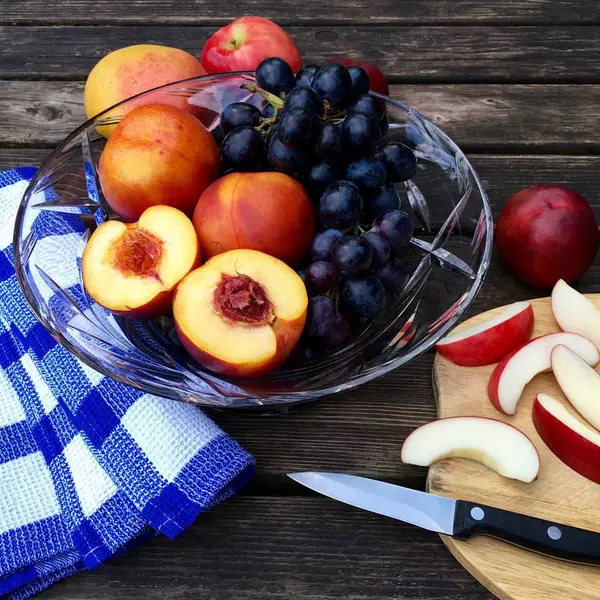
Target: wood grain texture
(278, 548)
(288, 12)
(420, 53)
(558, 494)
(480, 118)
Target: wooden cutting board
(559, 494)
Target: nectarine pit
(137, 252)
(241, 298)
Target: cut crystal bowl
(447, 261)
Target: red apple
(546, 233)
(491, 341)
(510, 376)
(497, 445)
(575, 444)
(244, 43)
(378, 81)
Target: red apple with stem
(244, 43)
(546, 233)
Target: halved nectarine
(241, 313)
(133, 269)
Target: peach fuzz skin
(158, 155)
(268, 212)
(133, 270)
(129, 71)
(231, 347)
(244, 43)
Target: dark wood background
(515, 82)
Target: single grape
(302, 275)
(243, 149)
(381, 248)
(362, 296)
(323, 243)
(352, 255)
(218, 135)
(340, 205)
(399, 160)
(272, 134)
(275, 75)
(304, 97)
(239, 114)
(369, 106)
(393, 275)
(396, 226)
(329, 140)
(366, 173)
(305, 75)
(360, 133)
(360, 81)
(379, 200)
(338, 334)
(333, 82)
(320, 317)
(321, 174)
(269, 111)
(285, 159)
(384, 126)
(321, 276)
(297, 126)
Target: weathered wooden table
(515, 82)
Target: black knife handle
(554, 539)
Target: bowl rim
(270, 400)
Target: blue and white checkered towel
(88, 467)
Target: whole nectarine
(241, 313)
(128, 71)
(269, 212)
(132, 270)
(546, 233)
(244, 43)
(158, 154)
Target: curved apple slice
(579, 382)
(569, 440)
(574, 312)
(489, 342)
(511, 375)
(497, 445)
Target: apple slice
(579, 382)
(497, 445)
(575, 444)
(521, 366)
(489, 342)
(574, 312)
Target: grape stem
(272, 99)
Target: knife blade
(457, 518)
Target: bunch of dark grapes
(322, 127)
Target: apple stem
(272, 99)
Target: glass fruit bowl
(447, 259)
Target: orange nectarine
(158, 154)
(129, 71)
(132, 270)
(241, 313)
(269, 212)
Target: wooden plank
(310, 11)
(420, 53)
(492, 118)
(275, 548)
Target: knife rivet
(477, 513)
(554, 533)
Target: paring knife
(457, 518)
